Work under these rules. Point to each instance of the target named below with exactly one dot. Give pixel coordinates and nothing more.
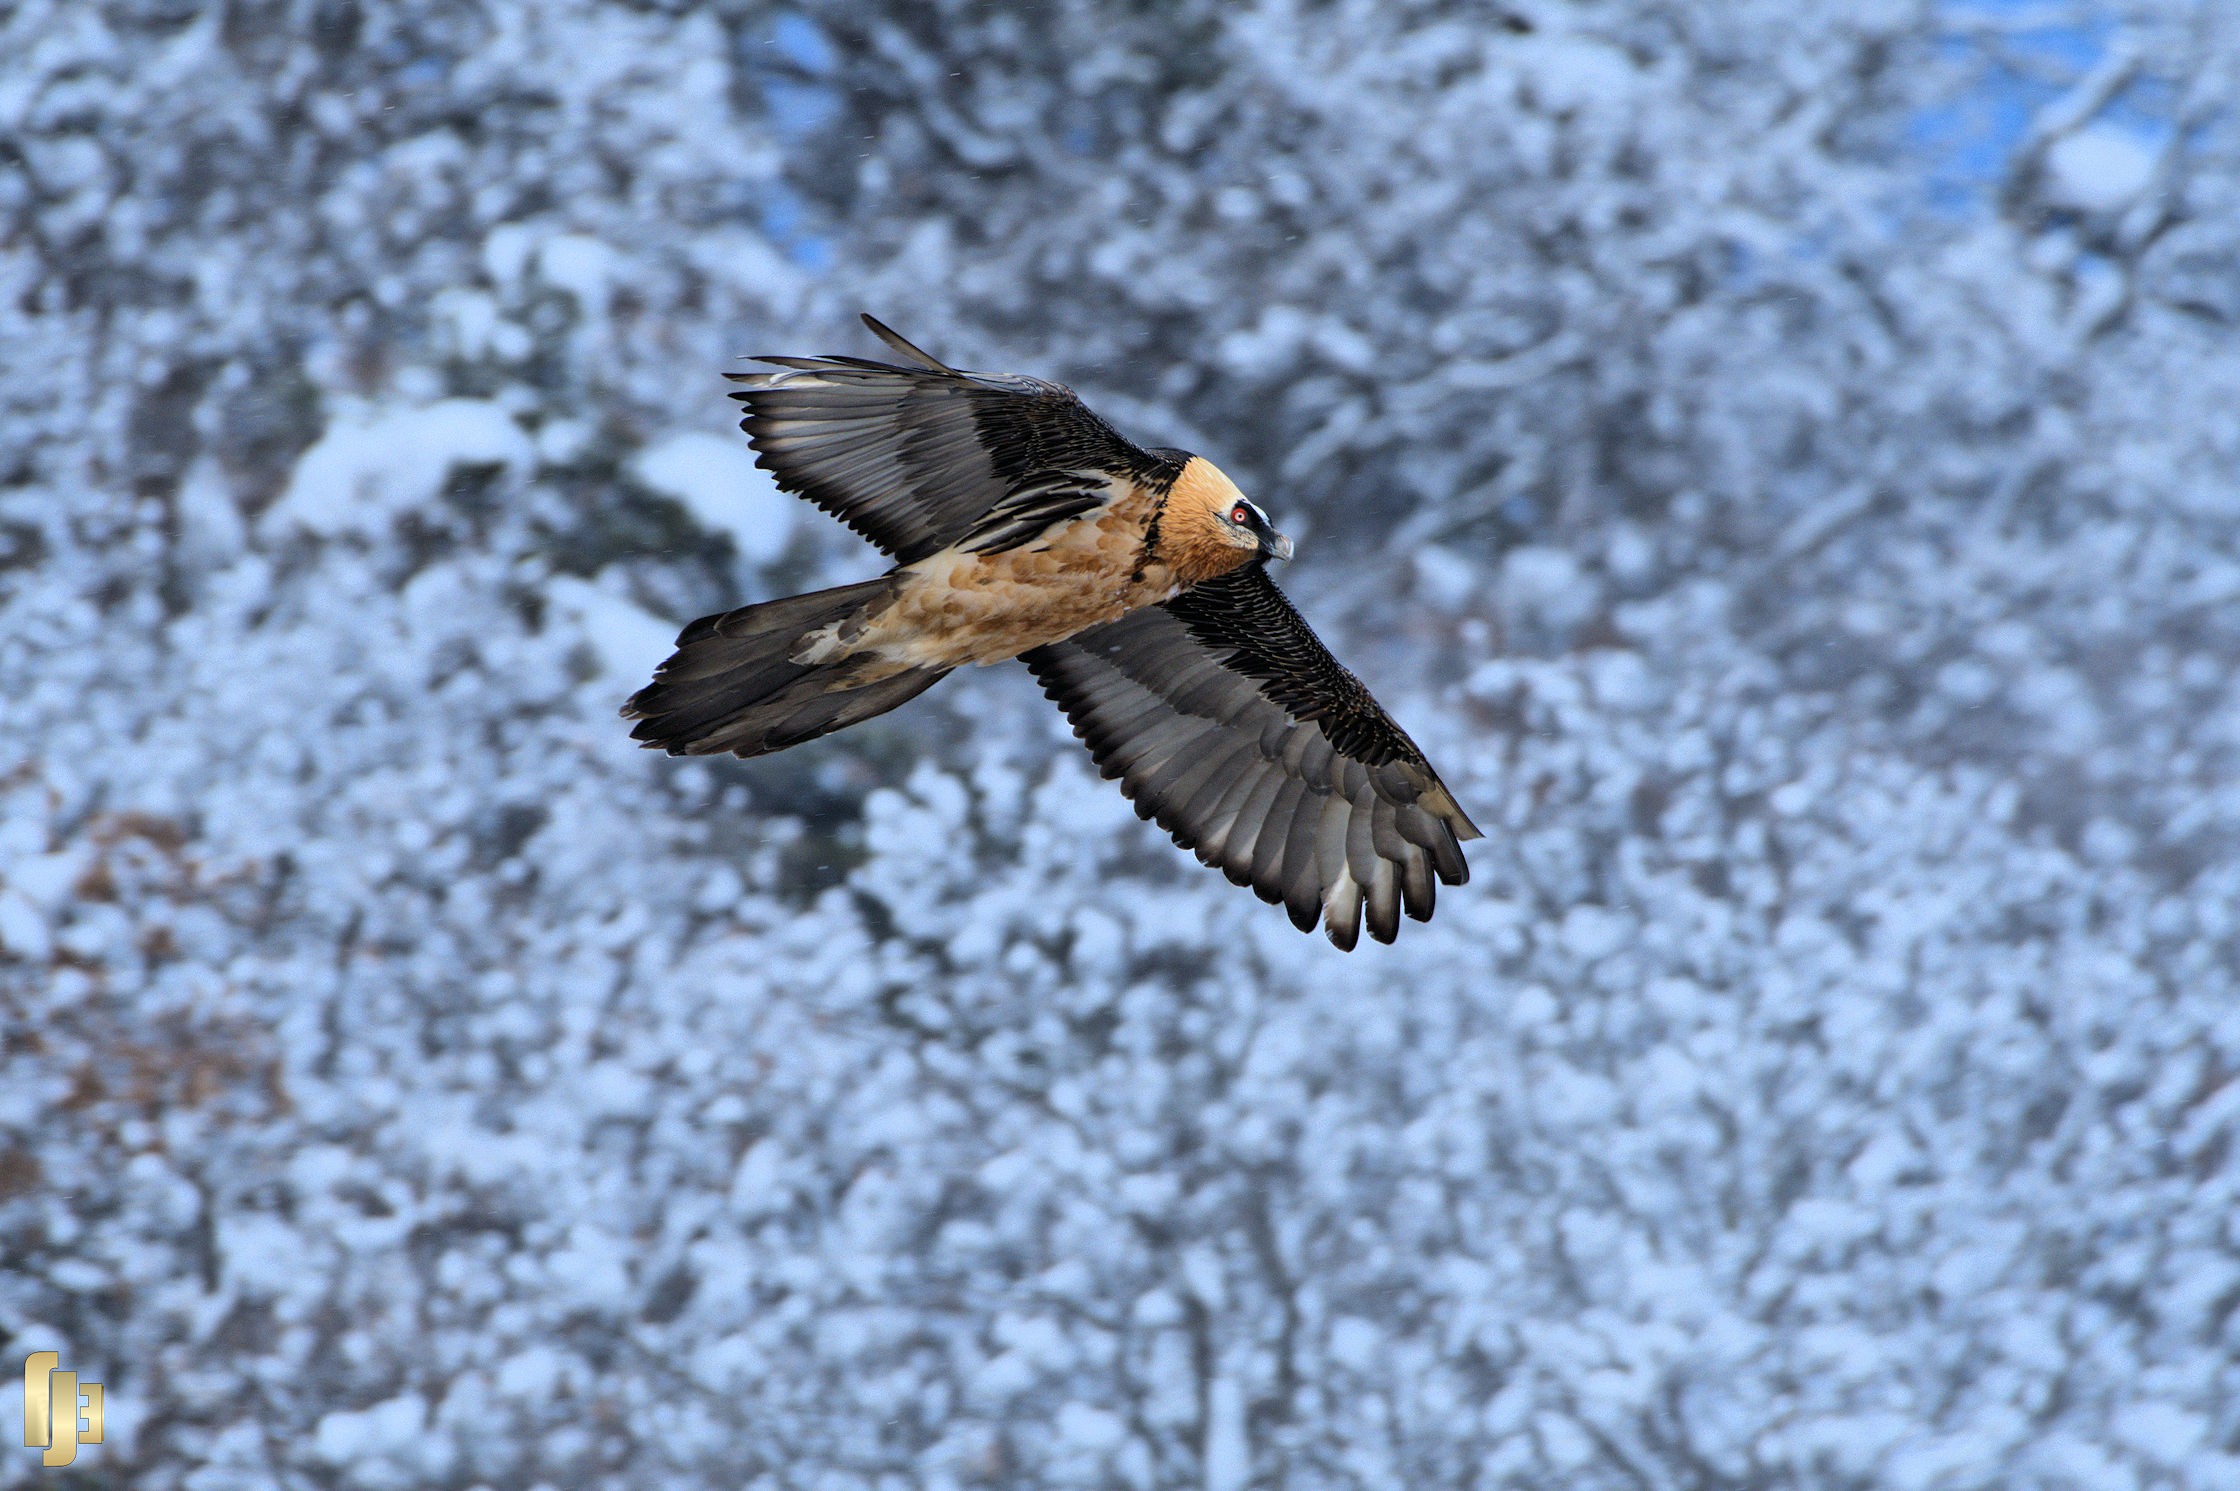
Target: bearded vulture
(1132, 582)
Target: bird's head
(1210, 527)
(1249, 528)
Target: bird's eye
(1240, 514)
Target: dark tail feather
(730, 687)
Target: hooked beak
(1275, 546)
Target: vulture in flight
(1133, 583)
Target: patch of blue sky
(803, 43)
(2063, 48)
(788, 222)
(425, 72)
(1967, 145)
(1740, 266)
(795, 62)
(799, 109)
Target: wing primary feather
(1300, 874)
(1149, 750)
(1184, 772)
(1251, 823)
(1384, 829)
(1119, 723)
(1206, 798)
(1384, 902)
(1446, 857)
(894, 339)
(1272, 846)
(1341, 920)
(1310, 864)
(1307, 753)
(1138, 783)
(1436, 838)
(1226, 816)
(1331, 835)
(1361, 841)
(1419, 890)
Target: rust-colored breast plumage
(956, 607)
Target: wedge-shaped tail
(733, 683)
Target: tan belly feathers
(956, 608)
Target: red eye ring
(1240, 513)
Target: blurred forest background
(1778, 456)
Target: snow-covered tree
(1777, 457)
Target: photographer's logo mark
(53, 1403)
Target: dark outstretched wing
(918, 458)
(1230, 723)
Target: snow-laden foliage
(1777, 457)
